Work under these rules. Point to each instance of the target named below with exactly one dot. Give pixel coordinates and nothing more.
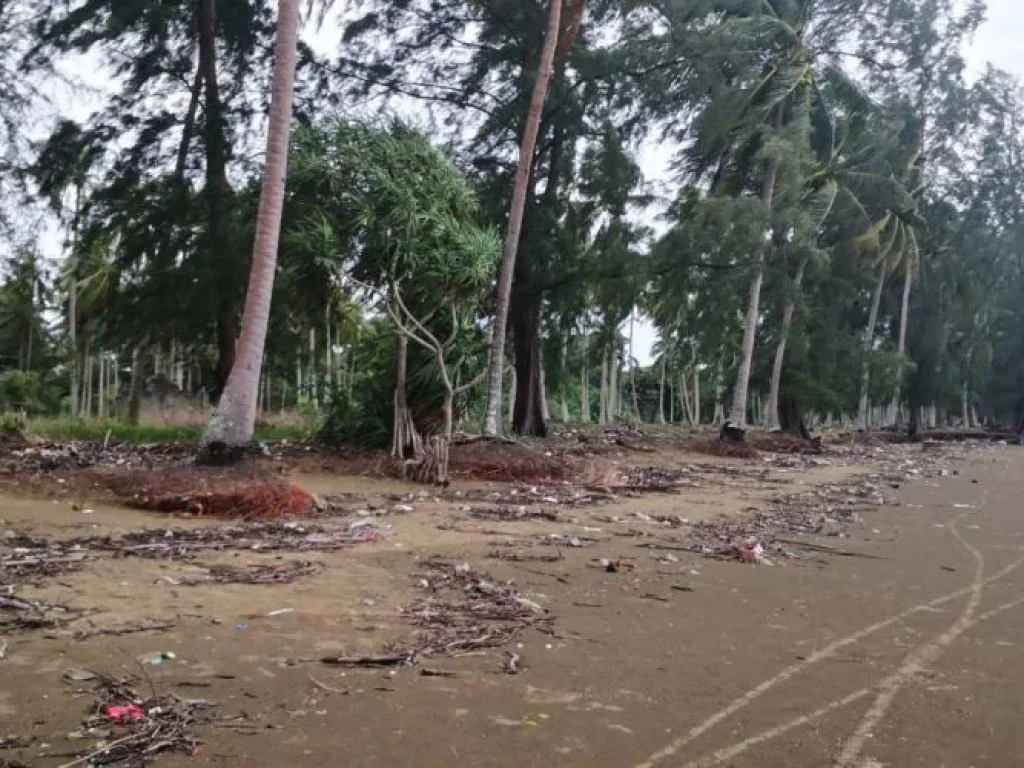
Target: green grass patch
(66, 430)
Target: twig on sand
(325, 687)
(149, 625)
(830, 550)
(512, 664)
(652, 596)
(100, 751)
(425, 672)
(659, 545)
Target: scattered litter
(150, 725)
(122, 715)
(753, 554)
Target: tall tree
(524, 168)
(234, 423)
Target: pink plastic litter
(125, 714)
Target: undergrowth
(65, 429)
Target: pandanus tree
(403, 224)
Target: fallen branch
(153, 625)
(387, 660)
(438, 673)
(102, 750)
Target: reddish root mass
(239, 494)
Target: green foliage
(378, 203)
(894, 164)
(20, 391)
(63, 429)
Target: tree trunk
(328, 355)
(564, 378)
(869, 337)
(87, 384)
(719, 416)
(696, 394)
(788, 309)
(543, 386)
(116, 365)
(632, 368)
(351, 374)
(73, 312)
(314, 380)
(661, 393)
(671, 401)
(135, 395)
(188, 127)
(101, 388)
(235, 420)
(902, 347)
(738, 414)
(613, 383)
(492, 419)
(512, 394)
(528, 411)
(684, 398)
(218, 190)
(404, 435)
(602, 417)
(584, 379)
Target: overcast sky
(1000, 41)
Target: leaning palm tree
(753, 130)
(496, 367)
(894, 243)
(234, 422)
(752, 135)
(851, 174)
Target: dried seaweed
(136, 728)
(466, 610)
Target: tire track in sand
(822, 654)
(728, 753)
(918, 659)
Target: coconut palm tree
(234, 422)
(531, 126)
(753, 135)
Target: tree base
(219, 454)
(731, 434)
